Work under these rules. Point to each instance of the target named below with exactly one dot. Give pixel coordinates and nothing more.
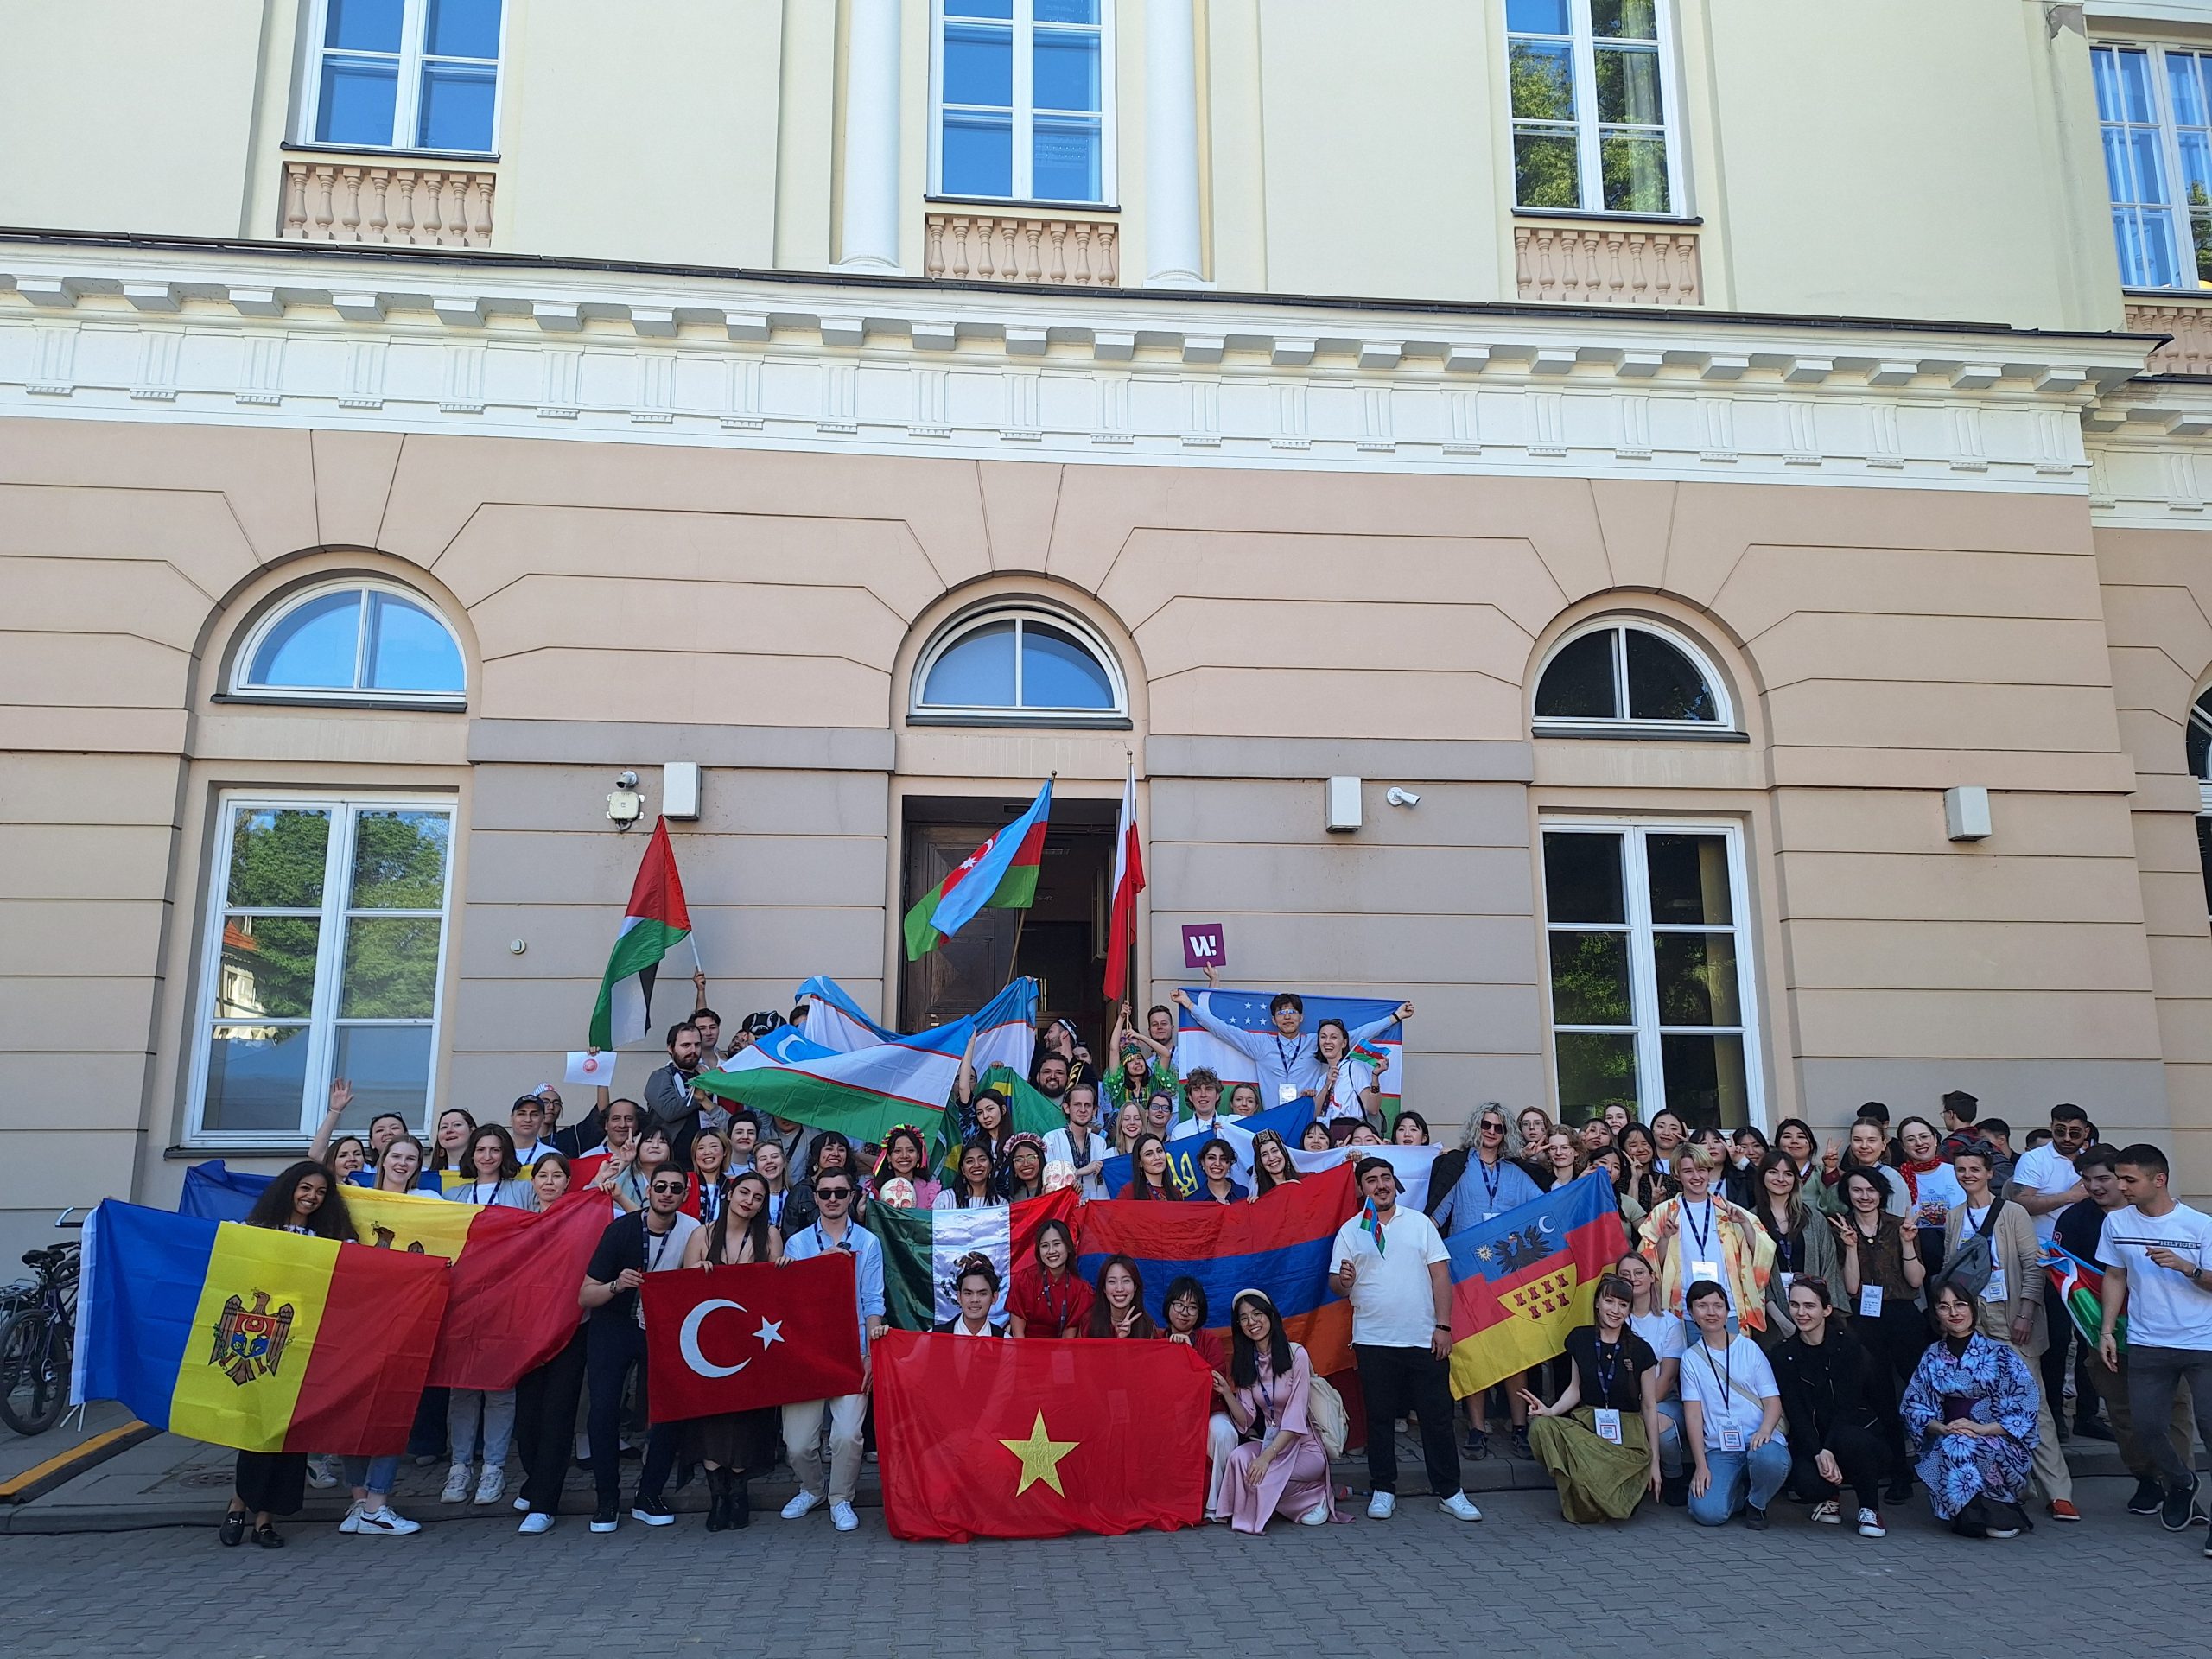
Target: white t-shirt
(1939, 1191)
(1353, 1076)
(2164, 1309)
(2046, 1170)
(1729, 1386)
(1664, 1332)
(1393, 1303)
(1697, 1234)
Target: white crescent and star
(1547, 1225)
(770, 1333)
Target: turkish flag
(1011, 1438)
(731, 1338)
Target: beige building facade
(1759, 588)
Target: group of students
(1822, 1320)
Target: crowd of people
(1845, 1325)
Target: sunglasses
(1491, 1126)
(666, 1188)
(826, 1193)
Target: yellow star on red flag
(1040, 1456)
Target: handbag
(1971, 1267)
(1324, 1414)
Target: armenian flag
(1522, 1280)
(252, 1338)
(1280, 1246)
(1001, 874)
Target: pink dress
(1298, 1479)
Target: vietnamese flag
(1006, 1439)
(764, 1334)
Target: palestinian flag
(863, 1095)
(1000, 874)
(654, 922)
(2082, 1288)
(921, 1246)
(1031, 1112)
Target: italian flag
(1000, 874)
(1128, 882)
(922, 1248)
(654, 922)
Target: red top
(1055, 1312)
(1208, 1347)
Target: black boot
(717, 1499)
(740, 1513)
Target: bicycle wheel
(34, 1372)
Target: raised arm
(341, 1097)
(1247, 1043)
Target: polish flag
(1128, 882)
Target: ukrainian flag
(1521, 1280)
(251, 1338)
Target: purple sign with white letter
(1203, 946)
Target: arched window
(351, 641)
(1635, 675)
(1018, 666)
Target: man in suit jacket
(977, 1287)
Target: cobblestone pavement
(1521, 1583)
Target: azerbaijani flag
(920, 1248)
(1000, 874)
(2082, 1288)
(863, 1095)
(252, 1338)
(1281, 1245)
(1128, 882)
(655, 920)
(515, 1274)
(1522, 1280)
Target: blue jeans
(372, 1474)
(1762, 1471)
(1671, 1460)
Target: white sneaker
(320, 1475)
(843, 1518)
(1381, 1506)
(458, 1481)
(352, 1520)
(522, 1505)
(805, 1503)
(534, 1523)
(493, 1484)
(1870, 1524)
(1461, 1507)
(385, 1523)
(1316, 1516)
(1828, 1513)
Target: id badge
(1286, 1092)
(1731, 1439)
(1706, 1270)
(1870, 1301)
(1788, 1279)
(1609, 1426)
(1994, 1290)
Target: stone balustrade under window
(344, 200)
(1022, 248)
(1606, 264)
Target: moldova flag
(1521, 1280)
(1280, 1246)
(1000, 874)
(251, 1338)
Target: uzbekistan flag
(654, 922)
(1037, 1440)
(1005, 1027)
(1280, 1246)
(1128, 882)
(1000, 874)
(1247, 1011)
(2082, 1288)
(1521, 1280)
(512, 1304)
(920, 1248)
(251, 1338)
(863, 1095)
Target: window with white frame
(1016, 665)
(323, 956)
(1651, 990)
(1019, 91)
(1592, 106)
(403, 74)
(1636, 675)
(2154, 111)
(352, 641)
(2200, 768)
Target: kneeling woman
(1970, 1416)
(1600, 1439)
(1835, 1394)
(1280, 1466)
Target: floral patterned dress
(1998, 1389)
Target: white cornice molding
(2150, 447)
(265, 337)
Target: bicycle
(38, 1337)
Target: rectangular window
(1592, 105)
(2154, 114)
(325, 951)
(403, 74)
(1650, 971)
(1019, 93)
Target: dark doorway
(1061, 937)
